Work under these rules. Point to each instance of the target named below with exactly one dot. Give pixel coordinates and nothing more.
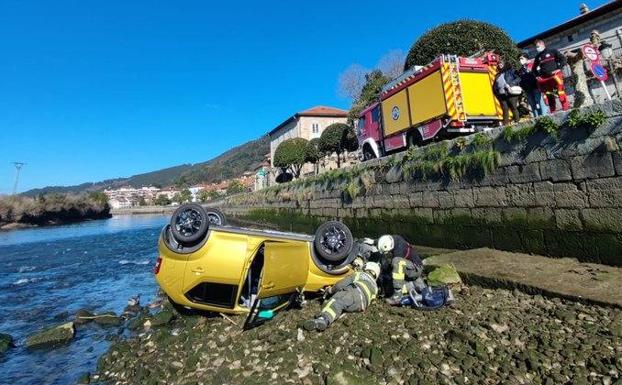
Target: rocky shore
(488, 337)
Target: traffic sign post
(592, 54)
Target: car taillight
(157, 266)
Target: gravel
(487, 337)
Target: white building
(307, 124)
(571, 35)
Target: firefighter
(352, 294)
(547, 67)
(405, 264)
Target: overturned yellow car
(205, 264)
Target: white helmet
(373, 268)
(386, 243)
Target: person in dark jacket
(547, 67)
(529, 84)
(507, 89)
(406, 264)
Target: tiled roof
(321, 111)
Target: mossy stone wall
(558, 196)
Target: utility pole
(18, 168)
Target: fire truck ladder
(456, 89)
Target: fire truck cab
(449, 97)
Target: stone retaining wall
(552, 196)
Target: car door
(286, 266)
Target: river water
(47, 274)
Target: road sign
(591, 53)
(599, 72)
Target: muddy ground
(487, 337)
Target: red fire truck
(450, 96)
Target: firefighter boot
(395, 300)
(320, 324)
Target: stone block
(394, 175)
(430, 199)
(541, 218)
(602, 219)
(596, 165)
(498, 177)
(489, 196)
(513, 214)
(345, 213)
(556, 170)
(441, 216)
(568, 219)
(361, 212)
(399, 202)
(606, 192)
(416, 199)
(560, 195)
(461, 213)
(464, 198)
(521, 195)
(524, 173)
(445, 199)
(538, 154)
(617, 162)
(488, 215)
(421, 212)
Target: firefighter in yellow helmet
(405, 262)
(352, 294)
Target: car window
(215, 294)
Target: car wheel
(215, 217)
(189, 224)
(333, 241)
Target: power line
(18, 168)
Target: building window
(570, 38)
(315, 128)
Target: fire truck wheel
(333, 241)
(368, 153)
(415, 139)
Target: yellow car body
(214, 276)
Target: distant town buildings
(127, 197)
(571, 35)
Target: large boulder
(162, 318)
(54, 336)
(108, 319)
(84, 316)
(6, 342)
(444, 275)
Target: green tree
(292, 154)
(98, 197)
(374, 81)
(161, 200)
(313, 153)
(235, 187)
(204, 196)
(464, 38)
(338, 138)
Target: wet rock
(6, 342)
(84, 379)
(132, 309)
(343, 378)
(83, 316)
(444, 275)
(54, 336)
(162, 318)
(108, 319)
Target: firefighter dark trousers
(349, 300)
(403, 270)
(554, 86)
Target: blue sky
(92, 90)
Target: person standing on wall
(507, 89)
(529, 84)
(547, 68)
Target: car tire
(368, 153)
(189, 224)
(333, 241)
(215, 217)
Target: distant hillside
(230, 164)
